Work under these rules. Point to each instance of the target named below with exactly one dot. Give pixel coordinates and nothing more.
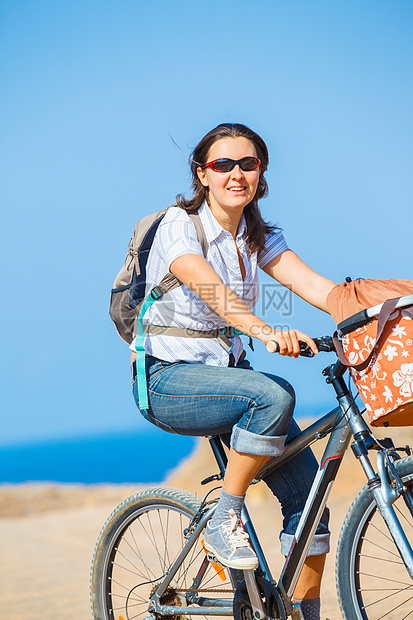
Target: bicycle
(149, 562)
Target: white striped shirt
(175, 237)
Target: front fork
(384, 487)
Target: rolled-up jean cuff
(261, 445)
(319, 546)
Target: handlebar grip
(324, 343)
(273, 347)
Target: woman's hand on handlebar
(288, 341)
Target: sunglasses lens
(249, 163)
(223, 165)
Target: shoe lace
(237, 536)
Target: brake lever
(305, 350)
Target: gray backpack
(128, 303)
(128, 292)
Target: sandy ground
(48, 533)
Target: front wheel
(137, 545)
(372, 580)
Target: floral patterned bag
(377, 345)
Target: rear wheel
(372, 580)
(138, 544)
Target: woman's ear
(202, 176)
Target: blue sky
(90, 93)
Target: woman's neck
(229, 220)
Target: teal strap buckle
(140, 348)
(155, 294)
(233, 331)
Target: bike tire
(138, 543)
(371, 578)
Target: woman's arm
(290, 271)
(196, 273)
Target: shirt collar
(213, 228)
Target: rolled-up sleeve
(177, 238)
(275, 244)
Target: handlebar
(323, 343)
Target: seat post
(219, 453)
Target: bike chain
(225, 591)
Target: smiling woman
(230, 191)
(223, 142)
(203, 385)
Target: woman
(197, 387)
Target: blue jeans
(251, 411)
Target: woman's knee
(263, 427)
(272, 409)
(278, 391)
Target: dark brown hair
(257, 228)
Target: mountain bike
(150, 563)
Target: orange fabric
(348, 298)
(386, 385)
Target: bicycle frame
(342, 423)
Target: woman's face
(234, 190)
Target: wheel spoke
(154, 543)
(372, 579)
(130, 604)
(386, 579)
(117, 565)
(384, 533)
(396, 555)
(395, 608)
(403, 516)
(372, 557)
(146, 542)
(138, 571)
(135, 549)
(384, 598)
(164, 531)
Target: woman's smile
(237, 189)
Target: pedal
(406, 449)
(213, 560)
(297, 614)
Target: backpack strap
(222, 334)
(195, 217)
(140, 349)
(169, 282)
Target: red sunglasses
(223, 164)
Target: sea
(117, 457)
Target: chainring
(271, 598)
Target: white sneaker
(230, 544)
